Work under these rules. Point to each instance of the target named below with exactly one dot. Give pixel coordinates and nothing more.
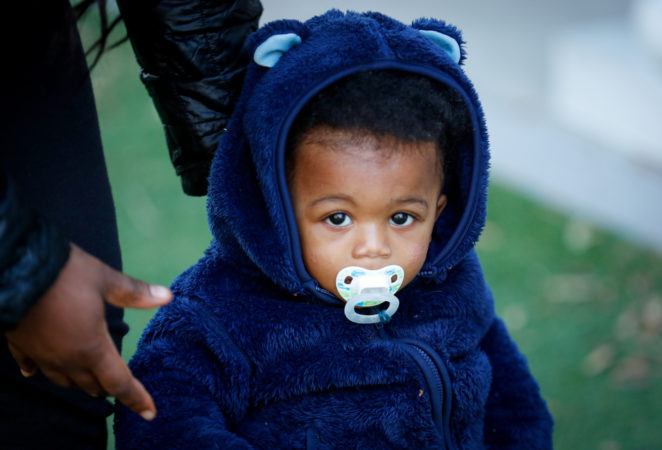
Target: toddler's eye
(401, 219)
(338, 219)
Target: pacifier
(363, 288)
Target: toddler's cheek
(416, 254)
(414, 258)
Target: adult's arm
(191, 63)
(516, 415)
(32, 253)
(52, 296)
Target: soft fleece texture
(253, 354)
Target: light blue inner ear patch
(447, 43)
(269, 52)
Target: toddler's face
(364, 202)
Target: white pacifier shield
(364, 288)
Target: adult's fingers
(26, 365)
(57, 377)
(87, 382)
(117, 380)
(126, 292)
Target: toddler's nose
(372, 242)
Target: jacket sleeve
(516, 415)
(32, 253)
(197, 397)
(192, 65)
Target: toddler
(341, 303)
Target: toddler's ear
(270, 51)
(445, 36)
(442, 201)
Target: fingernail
(148, 414)
(160, 292)
(26, 374)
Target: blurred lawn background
(583, 305)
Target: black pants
(51, 148)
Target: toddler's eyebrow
(418, 200)
(333, 197)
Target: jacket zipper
(437, 380)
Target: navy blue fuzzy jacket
(252, 353)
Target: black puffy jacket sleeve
(32, 253)
(192, 65)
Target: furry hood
(250, 212)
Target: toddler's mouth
(367, 292)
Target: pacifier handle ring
(352, 315)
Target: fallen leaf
(599, 360)
(609, 445)
(633, 371)
(578, 236)
(515, 317)
(571, 288)
(651, 317)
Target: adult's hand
(66, 337)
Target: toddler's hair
(386, 103)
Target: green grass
(584, 306)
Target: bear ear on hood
(270, 51)
(446, 36)
(272, 41)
